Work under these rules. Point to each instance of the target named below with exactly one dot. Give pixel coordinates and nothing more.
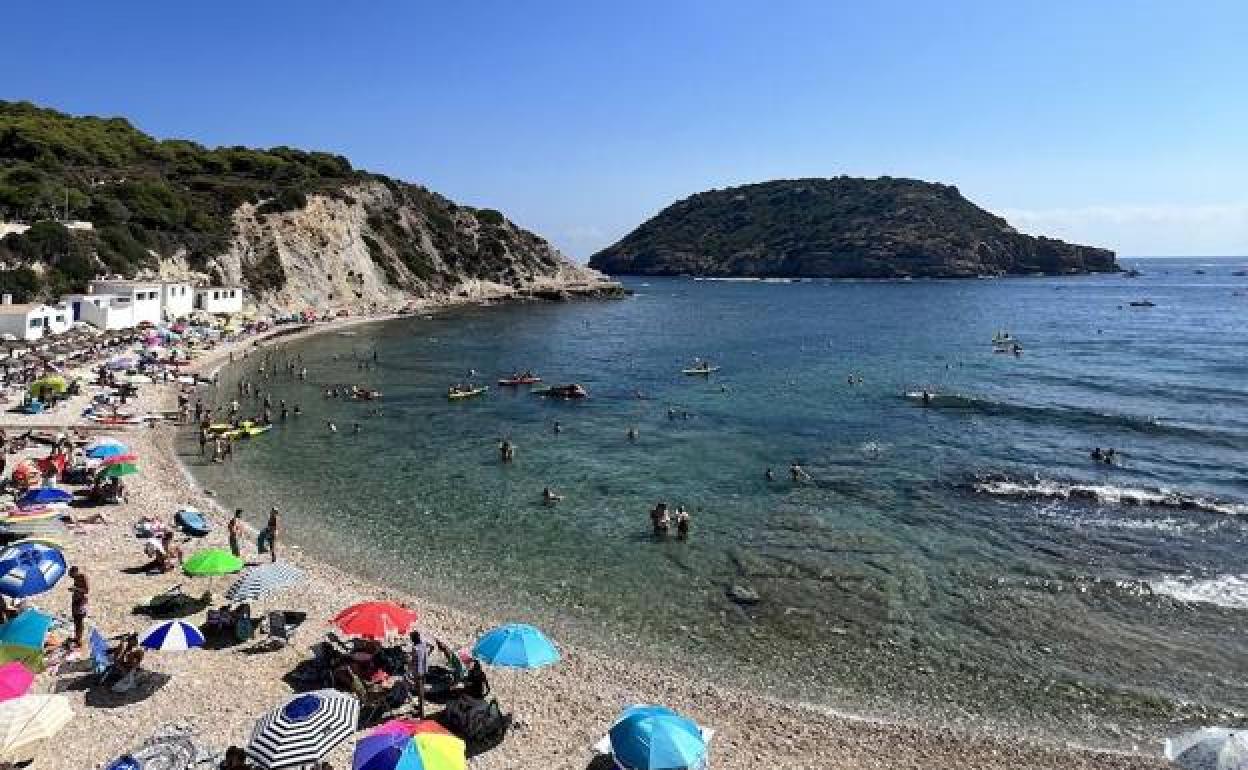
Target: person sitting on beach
(475, 683)
(549, 496)
(235, 759)
(127, 657)
(170, 553)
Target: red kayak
(520, 381)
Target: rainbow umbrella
(212, 561)
(15, 680)
(375, 620)
(117, 470)
(429, 747)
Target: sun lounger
(281, 627)
(374, 700)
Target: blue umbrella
(656, 738)
(45, 495)
(27, 569)
(172, 635)
(102, 451)
(516, 645)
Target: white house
(144, 296)
(219, 299)
(32, 321)
(103, 311)
(177, 300)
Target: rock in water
(839, 228)
(744, 595)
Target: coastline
(560, 712)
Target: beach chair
(374, 700)
(282, 626)
(101, 658)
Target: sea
(961, 561)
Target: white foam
(1224, 590)
(1106, 493)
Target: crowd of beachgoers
(146, 627)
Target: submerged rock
(744, 595)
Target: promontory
(841, 227)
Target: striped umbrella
(29, 719)
(172, 635)
(263, 580)
(105, 441)
(27, 569)
(303, 729)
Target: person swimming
(332, 428)
(797, 472)
(769, 475)
(549, 496)
(506, 451)
(558, 427)
(633, 434)
(927, 398)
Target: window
(216, 295)
(35, 323)
(60, 319)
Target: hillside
(842, 228)
(296, 228)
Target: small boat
(1142, 303)
(570, 391)
(514, 381)
(456, 393)
(700, 370)
(1240, 273)
(192, 522)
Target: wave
(1046, 489)
(1225, 590)
(1080, 418)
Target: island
(842, 227)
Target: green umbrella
(50, 384)
(212, 561)
(117, 470)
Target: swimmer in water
(332, 428)
(550, 497)
(558, 427)
(633, 434)
(798, 473)
(769, 475)
(356, 428)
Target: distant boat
(1132, 273)
(700, 370)
(1240, 273)
(1142, 303)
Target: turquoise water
(964, 560)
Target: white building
(103, 311)
(144, 297)
(32, 321)
(219, 299)
(177, 300)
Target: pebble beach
(559, 712)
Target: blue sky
(1122, 124)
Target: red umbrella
(375, 620)
(126, 458)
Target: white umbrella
(303, 729)
(27, 720)
(1212, 748)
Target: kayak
(700, 370)
(192, 522)
(519, 381)
(562, 391)
(457, 394)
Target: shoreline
(560, 711)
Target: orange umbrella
(375, 620)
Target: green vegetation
(842, 227)
(143, 195)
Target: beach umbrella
(27, 569)
(129, 457)
(172, 635)
(260, 581)
(29, 719)
(104, 451)
(1212, 748)
(303, 729)
(117, 470)
(429, 746)
(105, 441)
(375, 620)
(52, 384)
(656, 738)
(45, 496)
(515, 645)
(211, 562)
(15, 680)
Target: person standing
(272, 529)
(420, 668)
(79, 603)
(236, 532)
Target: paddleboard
(466, 393)
(707, 370)
(192, 522)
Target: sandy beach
(559, 711)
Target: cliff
(298, 229)
(842, 228)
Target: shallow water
(963, 560)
